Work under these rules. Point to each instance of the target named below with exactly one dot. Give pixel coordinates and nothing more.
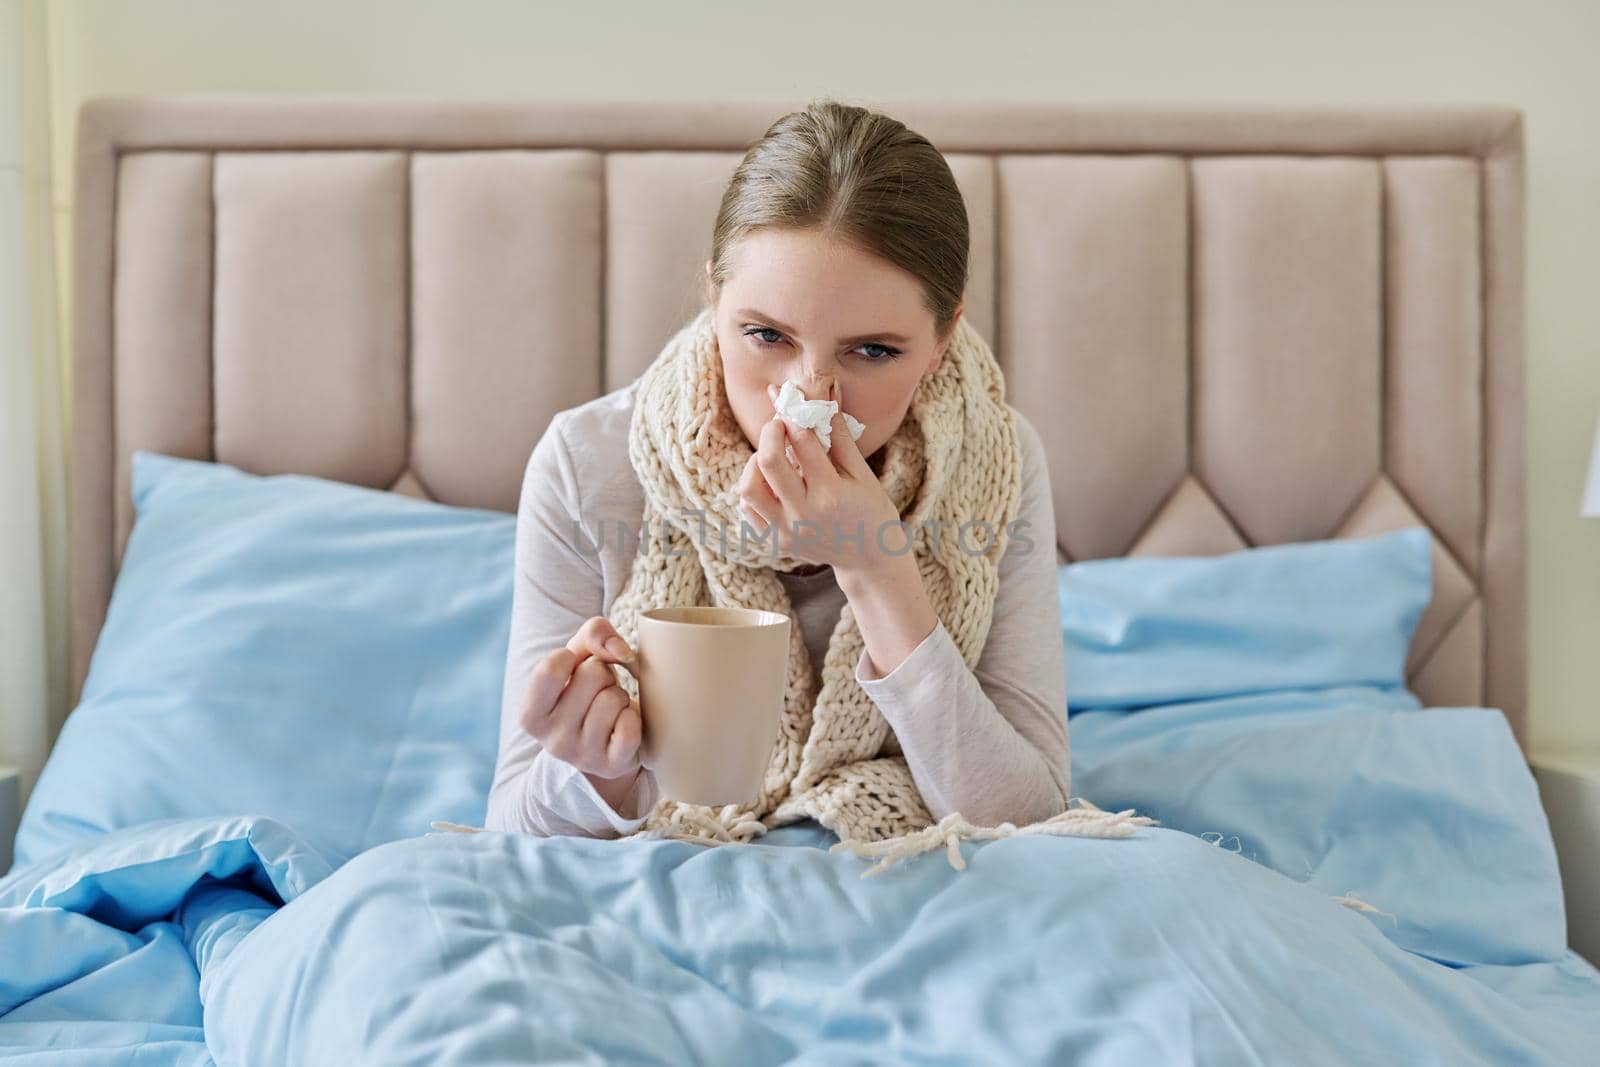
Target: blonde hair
(859, 177)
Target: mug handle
(647, 750)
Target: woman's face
(801, 306)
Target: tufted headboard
(1231, 326)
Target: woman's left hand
(832, 511)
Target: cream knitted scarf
(954, 459)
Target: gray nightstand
(1569, 786)
(10, 813)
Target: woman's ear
(944, 342)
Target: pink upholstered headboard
(1232, 327)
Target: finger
(757, 494)
(757, 504)
(545, 683)
(598, 637)
(598, 721)
(563, 729)
(758, 522)
(783, 478)
(772, 394)
(626, 734)
(843, 449)
(815, 466)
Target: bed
(315, 342)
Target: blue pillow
(1143, 630)
(1351, 789)
(327, 655)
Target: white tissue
(816, 415)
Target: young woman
(926, 666)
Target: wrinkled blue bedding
(1212, 937)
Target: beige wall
(1537, 56)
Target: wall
(1537, 56)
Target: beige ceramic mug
(711, 684)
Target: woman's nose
(815, 383)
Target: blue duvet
(1213, 937)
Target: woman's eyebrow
(754, 314)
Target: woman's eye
(884, 352)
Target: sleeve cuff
(641, 799)
(919, 663)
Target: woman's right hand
(580, 713)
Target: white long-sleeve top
(990, 741)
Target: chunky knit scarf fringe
(955, 458)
